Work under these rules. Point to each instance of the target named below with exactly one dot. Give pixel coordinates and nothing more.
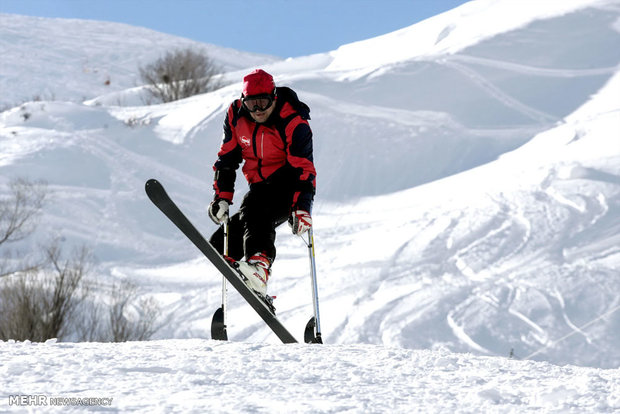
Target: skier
(267, 128)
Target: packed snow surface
(204, 376)
(468, 210)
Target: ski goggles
(258, 102)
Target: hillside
(74, 60)
(468, 196)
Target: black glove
(218, 210)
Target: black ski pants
(253, 228)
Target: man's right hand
(218, 210)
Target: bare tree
(180, 74)
(64, 290)
(138, 328)
(19, 211)
(129, 318)
(47, 297)
(41, 303)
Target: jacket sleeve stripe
(300, 148)
(229, 158)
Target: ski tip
(153, 187)
(150, 182)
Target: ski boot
(256, 270)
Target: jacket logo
(245, 141)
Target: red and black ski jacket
(280, 146)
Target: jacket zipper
(254, 144)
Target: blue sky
(285, 28)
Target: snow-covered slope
(70, 59)
(522, 253)
(451, 32)
(200, 376)
(468, 196)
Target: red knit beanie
(258, 82)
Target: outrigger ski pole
(218, 323)
(312, 334)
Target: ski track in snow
(509, 231)
(528, 69)
(501, 96)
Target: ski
(310, 336)
(263, 306)
(218, 325)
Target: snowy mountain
(468, 201)
(74, 60)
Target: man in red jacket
(267, 129)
